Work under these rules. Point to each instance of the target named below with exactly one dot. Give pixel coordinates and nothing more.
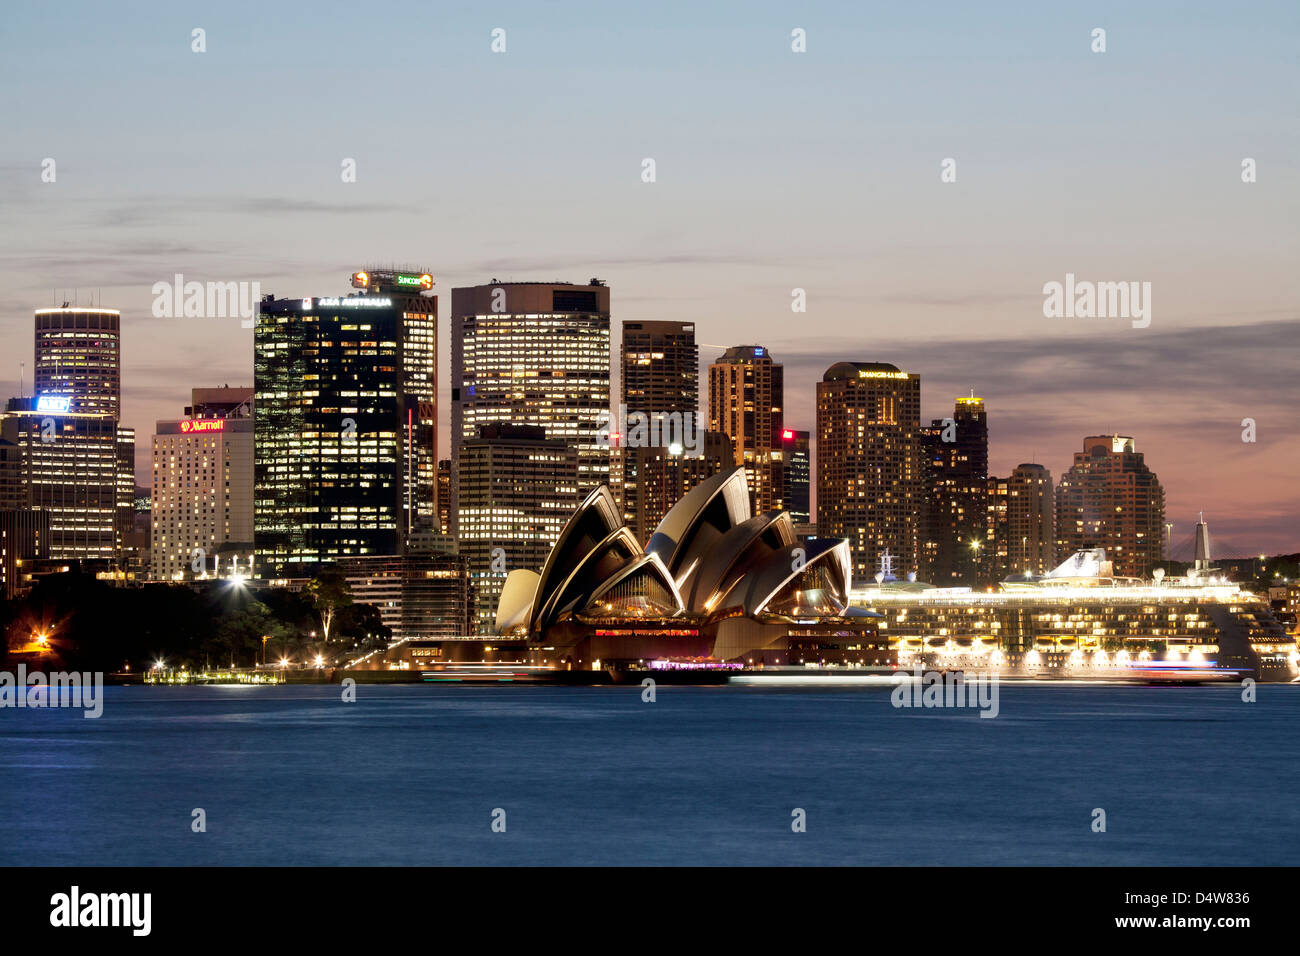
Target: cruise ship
(1080, 620)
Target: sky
(775, 171)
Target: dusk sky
(775, 170)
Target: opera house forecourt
(714, 587)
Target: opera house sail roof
(710, 566)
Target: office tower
(1110, 499)
(1031, 521)
(67, 463)
(79, 357)
(444, 496)
(202, 495)
(420, 596)
(869, 483)
(797, 464)
(69, 454)
(533, 353)
(660, 370)
(956, 459)
(516, 489)
(125, 520)
(746, 393)
(659, 446)
(24, 538)
(345, 415)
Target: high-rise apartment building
(345, 422)
(746, 398)
(1110, 499)
(201, 501)
(533, 353)
(1031, 521)
(869, 471)
(516, 489)
(956, 459)
(991, 555)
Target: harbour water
(411, 775)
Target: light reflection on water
(708, 775)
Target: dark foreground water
(412, 774)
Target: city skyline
(828, 182)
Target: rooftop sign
(53, 403)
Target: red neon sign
(203, 425)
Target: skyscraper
(797, 462)
(533, 353)
(660, 368)
(68, 453)
(68, 464)
(956, 456)
(1031, 521)
(79, 356)
(746, 395)
(869, 483)
(654, 463)
(651, 479)
(1110, 499)
(201, 502)
(517, 488)
(345, 415)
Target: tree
(329, 591)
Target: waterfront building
(420, 595)
(345, 422)
(515, 490)
(869, 467)
(534, 353)
(746, 398)
(201, 501)
(714, 586)
(1110, 499)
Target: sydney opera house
(714, 586)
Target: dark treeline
(92, 625)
